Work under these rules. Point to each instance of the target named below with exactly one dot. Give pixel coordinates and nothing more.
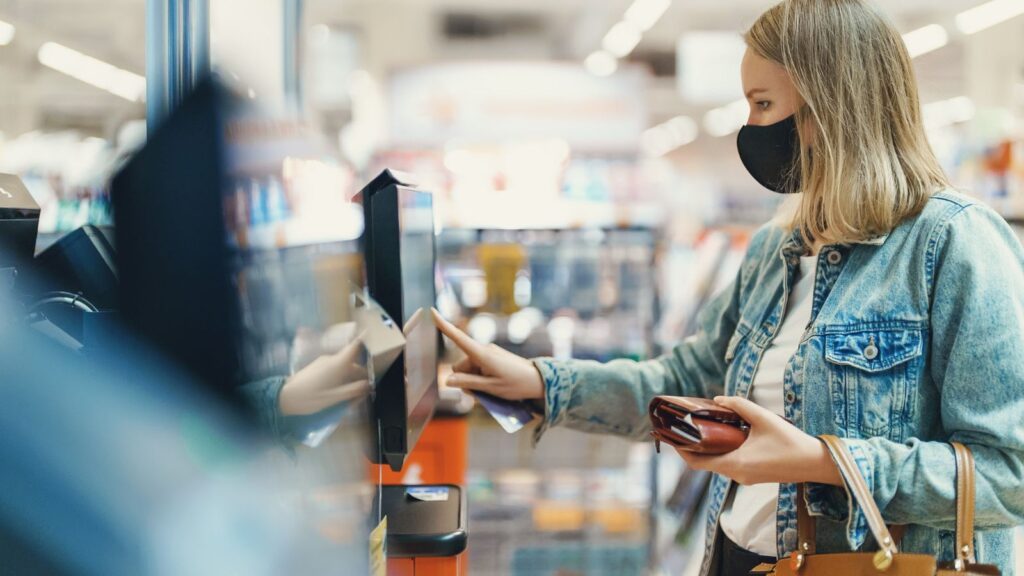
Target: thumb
(752, 413)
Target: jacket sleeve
(612, 398)
(262, 396)
(977, 366)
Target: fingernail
(720, 398)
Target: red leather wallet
(696, 424)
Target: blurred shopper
(885, 308)
(122, 464)
(125, 471)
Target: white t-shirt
(748, 517)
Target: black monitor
(82, 262)
(400, 261)
(175, 289)
(19, 223)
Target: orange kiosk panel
(440, 456)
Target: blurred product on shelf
(553, 293)
(577, 502)
(68, 174)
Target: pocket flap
(873, 350)
(737, 337)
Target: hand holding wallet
(696, 425)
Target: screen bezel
(394, 435)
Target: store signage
(499, 102)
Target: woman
(887, 310)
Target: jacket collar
(795, 246)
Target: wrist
(538, 386)
(286, 400)
(821, 469)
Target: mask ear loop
(793, 182)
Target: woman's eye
(763, 105)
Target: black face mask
(770, 154)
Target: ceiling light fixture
(644, 14)
(7, 31)
(601, 63)
(624, 36)
(726, 119)
(666, 137)
(621, 39)
(98, 73)
(926, 39)
(683, 130)
(988, 14)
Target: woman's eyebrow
(751, 92)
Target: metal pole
(177, 53)
(197, 34)
(292, 53)
(157, 45)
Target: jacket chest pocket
(873, 379)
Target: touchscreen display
(417, 264)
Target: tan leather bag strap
(888, 541)
(964, 503)
(805, 524)
(859, 491)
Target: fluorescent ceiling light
(621, 39)
(727, 119)
(664, 138)
(988, 14)
(683, 130)
(656, 142)
(600, 63)
(925, 40)
(6, 33)
(98, 73)
(644, 14)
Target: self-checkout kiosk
(176, 287)
(426, 528)
(67, 290)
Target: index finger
(471, 347)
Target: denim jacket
(916, 339)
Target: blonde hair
(865, 163)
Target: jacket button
(834, 257)
(790, 397)
(871, 352)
